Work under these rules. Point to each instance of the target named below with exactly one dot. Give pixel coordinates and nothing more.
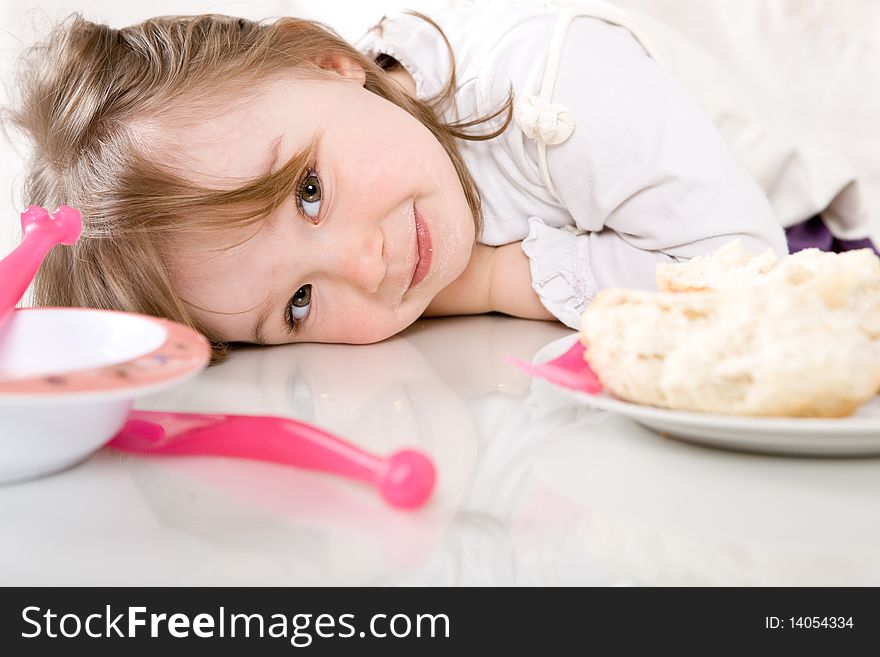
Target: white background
(811, 63)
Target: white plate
(856, 435)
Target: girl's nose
(359, 260)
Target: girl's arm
(497, 279)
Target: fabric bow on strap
(545, 122)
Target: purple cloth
(813, 233)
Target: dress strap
(554, 55)
(549, 123)
(540, 119)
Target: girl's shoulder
(497, 47)
(480, 38)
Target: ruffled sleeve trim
(560, 270)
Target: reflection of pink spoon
(42, 231)
(569, 370)
(405, 479)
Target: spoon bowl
(42, 231)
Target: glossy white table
(532, 489)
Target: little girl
(270, 183)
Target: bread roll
(850, 279)
(769, 350)
(729, 266)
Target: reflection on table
(532, 489)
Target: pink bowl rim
(184, 353)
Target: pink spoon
(405, 479)
(41, 231)
(569, 370)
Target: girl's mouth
(423, 241)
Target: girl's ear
(343, 66)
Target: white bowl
(68, 378)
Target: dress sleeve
(645, 175)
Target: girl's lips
(423, 240)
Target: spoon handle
(569, 370)
(405, 479)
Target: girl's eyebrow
(259, 334)
(274, 154)
(271, 188)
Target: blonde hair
(84, 90)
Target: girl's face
(377, 227)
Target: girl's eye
(299, 305)
(309, 195)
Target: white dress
(611, 166)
